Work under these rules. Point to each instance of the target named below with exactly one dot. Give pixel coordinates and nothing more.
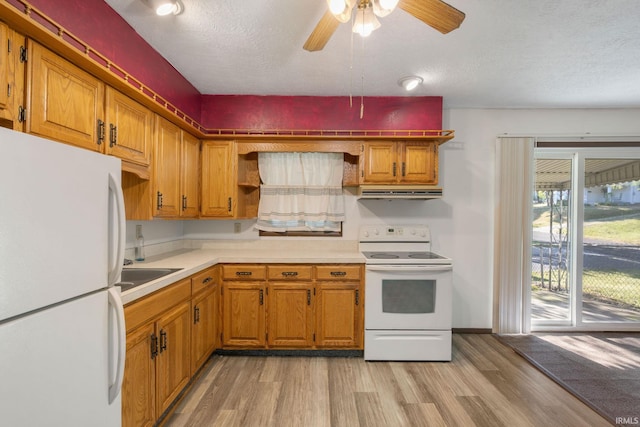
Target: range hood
(414, 192)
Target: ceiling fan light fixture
(365, 21)
(341, 9)
(384, 7)
(409, 83)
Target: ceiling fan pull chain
(362, 60)
(353, 17)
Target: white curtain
(300, 192)
(512, 239)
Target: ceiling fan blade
(322, 33)
(435, 13)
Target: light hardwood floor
(486, 384)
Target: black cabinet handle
(261, 297)
(243, 273)
(338, 273)
(289, 273)
(163, 340)
(154, 346)
(100, 131)
(308, 296)
(159, 200)
(184, 203)
(113, 135)
(196, 314)
(357, 297)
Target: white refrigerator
(62, 332)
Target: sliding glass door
(586, 239)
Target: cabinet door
(128, 128)
(65, 102)
(204, 331)
(218, 172)
(4, 67)
(173, 365)
(139, 387)
(380, 162)
(166, 166)
(338, 315)
(189, 176)
(11, 77)
(418, 163)
(243, 314)
(290, 315)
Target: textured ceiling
(506, 53)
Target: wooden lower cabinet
(158, 364)
(290, 315)
(243, 315)
(338, 315)
(292, 307)
(173, 363)
(139, 384)
(205, 315)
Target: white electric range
(408, 295)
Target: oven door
(408, 297)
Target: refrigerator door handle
(116, 302)
(115, 268)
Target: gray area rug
(600, 369)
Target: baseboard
(291, 353)
(471, 330)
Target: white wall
(462, 221)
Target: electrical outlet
(237, 227)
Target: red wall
(320, 113)
(94, 22)
(97, 24)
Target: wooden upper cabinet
(189, 176)
(418, 163)
(219, 171)
(64, 102)
(11, 78)
(166, 176)
(391, 162)
(4, 68)
(129, 128)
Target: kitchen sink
(132, 277)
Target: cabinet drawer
(338, 272)
(290, 272)
(244, 272)
(204, 279)
(153, 305)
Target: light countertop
(205, 254)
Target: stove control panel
(394, 233)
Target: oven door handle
(411, 268)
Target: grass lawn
(624, 231)
(615, 224)
(612, 286)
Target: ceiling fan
(434, 13)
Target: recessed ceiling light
(166, 7)
(409, 83)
